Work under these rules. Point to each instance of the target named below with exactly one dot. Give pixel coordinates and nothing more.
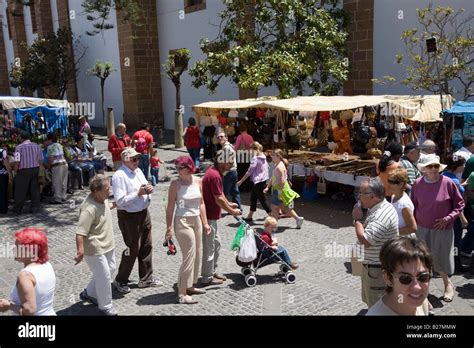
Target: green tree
(49, 66)
(455, 42)
(98, 11)
(174, 67)
(292, 44)
(102, 70)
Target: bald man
(428, 147)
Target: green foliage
(49, 65)
(292, 44)
(99, 12)
(176, 63)
(101, 69)
(455, 40)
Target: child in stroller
(269, 252)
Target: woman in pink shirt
(243, 146)
(437, 203)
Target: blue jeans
(195, 154)
(154, 176)
(283, 253)
(230, 187)
(144, 164)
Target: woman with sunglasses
(186, 203)
(406, 266)
(388, 162)
(398, 182)
(437, 203)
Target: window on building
(33, 17)
(194, 5)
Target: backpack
(142, 145)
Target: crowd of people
(409, 219)
(426, 203)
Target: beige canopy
(12, 103)
(417, 108)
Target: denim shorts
(275, 199)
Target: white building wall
(388, 29)
(103, 47)
(8, 43)
(177, 33)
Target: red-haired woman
(33, 293)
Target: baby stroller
(265, 256)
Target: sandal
(185, 299)
(448, 293)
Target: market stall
(338, 122)
(460, 120)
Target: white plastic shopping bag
(248, 247)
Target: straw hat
(431, 159)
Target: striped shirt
(380, 225)
(412, 170)
(28, 154)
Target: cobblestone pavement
(324, 285)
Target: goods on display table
(460, 120)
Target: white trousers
(102, 268)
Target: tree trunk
(102, 90)
(178, 121)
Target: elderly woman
(406, 266)
(186, 208)
(33, 293)
(95, 243)
(398, 182)
(282, 195)
(438, 203)
(388, 162)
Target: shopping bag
(321, 189)
(248, 247)
(288, 195)
(238, 236)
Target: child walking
(155, 167)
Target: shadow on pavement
(466, 291)
(435, 301)
(238, 280)
(164, 298)
(80, 308)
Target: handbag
(248, 247)
(322, 187)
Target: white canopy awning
(12, 103)
(417, 108)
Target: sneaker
(86, 298)
(122, 287)
(109, 312)
(299, 222)
(149, 283)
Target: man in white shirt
(466, 150)
(132, 194)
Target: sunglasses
(135, 159)
(407, 279)
(429, 166)
(181, 167)
(394, 182)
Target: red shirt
(267, 238)
(192, 138)
(145, 135)
(116, 146)
(155, 162)
(212, 186)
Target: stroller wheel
(284, 268)
(245, 271)
(290, 277)
(250, 280)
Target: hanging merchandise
(233, 113)
(322, 187)
(279, 134)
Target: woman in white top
(33, 293)
(406, 266)
(186, 204)
(398, 181)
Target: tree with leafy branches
(49, 66)
(454, 58)
(292, 44)
(102, 71)
(174, 67)
(98, 11)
